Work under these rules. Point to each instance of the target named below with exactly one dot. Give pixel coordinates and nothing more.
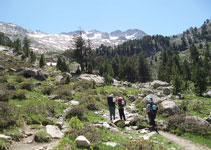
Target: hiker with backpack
(121, 105)
(151, 110)
(111, 105)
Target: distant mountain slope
(43, 42)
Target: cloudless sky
(166, 17)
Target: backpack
(121, 103)
(152, 108)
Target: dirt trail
(188, 145)
(29, 144)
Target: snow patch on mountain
(42, 42)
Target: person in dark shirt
(111, 105)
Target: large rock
(91, 77)
(207, 94)
(75, 103)
(156, 99)
(196, 120)
(157, 83)
(59, 78)
(54, 132)
(170, 107)
(166, 91)
(82, 141)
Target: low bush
(142, 124)
(9, 115)
(75, 123)
(19, 95)
(121, 124)
(19, 79)
(76, 111)
(47, 90)
(3, 79)
(42, 137)
(143, 145)
(92, 106)
(28, 86)
(4, 96)
(82, 85)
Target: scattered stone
(75, 103)
(128, 129)
(53, 97)
(112, 144)
(148, 135)
(5, 137)
(144, 131)
(135, 127)
(106, 125)
(82, 141)
(148, 91)
(180, 96)
(12, 70)
(29, 142)
(160, 123)
(58, 78)
(54, 132)
(115, 130)
(130, 138)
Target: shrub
(3, 79)
(75, 123)
(82, 84)
(28, 86)
(76, 111)
(9, 115)
(42, 137)
(19, 95)
(47, 90)
(92, 106)
(19, 79)
(143, 145)
(142, 124)
(11, 86)
(108, 79)
(4, 95)
(121, 124)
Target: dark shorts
(112, 110)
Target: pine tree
(177, 84)
(26, 45)
(42, 61)
(194, 54)
(33, 57)
(199, 79)
(79, 51)
(143, 69)
(59, 63)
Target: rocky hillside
(43, 42)
(47, 109)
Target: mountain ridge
(42, 42)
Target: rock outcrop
(170, 108)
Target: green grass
(4, 144)
(92, 117)
(160, 140)
(15, 132)
(204, 140)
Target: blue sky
(166, 17)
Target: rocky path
(187, 144)
(145, 134)
(27, 143)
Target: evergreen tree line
(196, 69)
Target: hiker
(111, 105)
(121, 105)
(151, 110)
